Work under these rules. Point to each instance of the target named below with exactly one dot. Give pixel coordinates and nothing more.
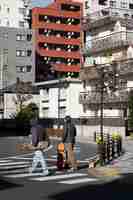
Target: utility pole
(101, 103)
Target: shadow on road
(118, 189)
(5, 184)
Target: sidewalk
(118, 167)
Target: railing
(110, 12)
(111, 41)
(125, 66)
(94, 98)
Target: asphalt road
(8, 147)
(15, 180)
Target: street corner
(104, 172)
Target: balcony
(124, 68)
(112, 41)
(61, 53)
(67, 68)
(109, 100)
(110, 12)
(58, 40)
(53, 26)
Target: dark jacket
(69, 133)
(37, 132)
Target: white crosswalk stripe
(5, 161)
(13, 163)
(46, 178)
(20, 170)
(79, 180)
(13, 167)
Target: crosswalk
(18, 168)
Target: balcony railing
(110, 12)
(93, 98)
(111, 41)
(124, 67)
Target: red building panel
(57, 40)
(60, 18)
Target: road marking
(5, 161)
(47, 178)
(77, 181)
(12, 167)
(13, 171)
(27, 174)
(23, 175)
(22, 158)
(13, 163)
(20, 155)
(54, 156)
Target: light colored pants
(38, 158)
(70, 155)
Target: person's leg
(72, 156)
(43, 163)
(34, 162)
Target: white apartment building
(109, 36)
(59, 98)
(13, 13)
(92, 6)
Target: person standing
(69, 141)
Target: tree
(130, 108)
(27, 112)
(23, 93)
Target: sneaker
(71, 170)
(45, 173)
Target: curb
(105, 173)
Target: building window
(45, 112)
(102, 2)
(29, 36)
(20, 53)
(20, 37)
(130, 6)
(123, 4)
(62, 111)
(7, 23)
(28, 68)
(8, 10)
(5, 35)
(21, 24)
(113, 4)
(20, 69)
(22, 11)
(86, 4)
(5, 57)
(29, 52)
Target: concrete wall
(11, 44)
(87, 132)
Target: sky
(45, 2)
(41, 2)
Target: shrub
(27, 112)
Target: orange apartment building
(57, 39)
